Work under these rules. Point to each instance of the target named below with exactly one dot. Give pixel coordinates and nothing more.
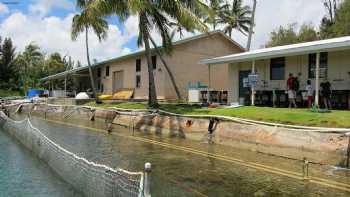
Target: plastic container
(33, 93)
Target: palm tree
(235, 16)
(84, 21)
(251, 28)
(156, 15)
(216, 9)
(30, 59)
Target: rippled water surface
(22, 174)
(181, 173)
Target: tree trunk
(251, 28)
(89, 63)
(172, 79)
(152, 94)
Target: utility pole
(251, 28)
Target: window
(138, 65)
(98, 72)
(107, 71)
(154, 62)
(99, 84)
(277, 68)
(138, 81)
(323, 65)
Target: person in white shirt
(310, 93)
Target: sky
(47, 23)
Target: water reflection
(178, 173)
(22, 174)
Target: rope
(33, 134)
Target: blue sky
(47, 24)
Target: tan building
(273, 65)
(130, 71)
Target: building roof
(140, 52)
(288, 50)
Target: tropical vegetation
(334, 24)
(22, 70)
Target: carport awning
(334, 44)
(64, 74)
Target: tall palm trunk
(172, 79)
(251, 28)
(152, 94)
(89, 63)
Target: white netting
(87, 177)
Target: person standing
(309, 93)
(326, 94)
(291, 91)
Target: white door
(118, 79)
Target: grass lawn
(277, 115)
(7, 93)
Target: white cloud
(43, 7)
(271, 14)
(4, 9)
(52, 34)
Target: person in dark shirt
(326, 93)
(291, 91)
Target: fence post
(348, 151)
(147, 185)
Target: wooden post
(252, 88)
(317, 80)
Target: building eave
(334, 44)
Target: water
(181, 173)
(22, 174)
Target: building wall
(338, 73)
(184, 64)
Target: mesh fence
(87, 177)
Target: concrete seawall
(316, 146)
(320, 147)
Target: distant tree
(31, 62)
(8, 69)
(331, 8)
(307, 33)
(54, 64)
(289, 35)
(341, 26)
(337, 13)
(283, 36)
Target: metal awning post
(317, 81)
(209, 85)
(252, 88)
(65, 86)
